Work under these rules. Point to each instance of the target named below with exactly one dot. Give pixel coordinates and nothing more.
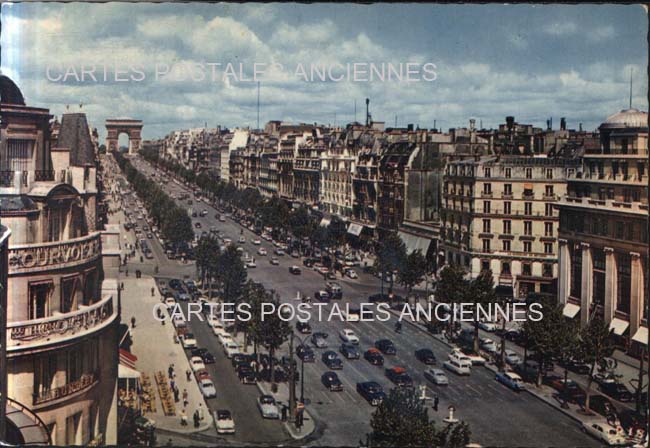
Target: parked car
(386, 346)
(196, 363)
(600, 405)
(569, 389)
(205, 355)
(617, 391)
(487, 325)
(425, 356)
(457, 366)
(267, 406)
(349, 336)
(488, 345)
(374, 357)
(512, 358)
(399, 377)
(511, 380)
(604, 432)
(224, 422)
(349, 351)
(436, 376)
(230, 348)
(246, 375)
(207, 388)
(372, 392)
(332, 360)
(188, 340)
(331, 381)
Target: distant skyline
(530, 61)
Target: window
(548, 229)
(486, 206)
(528, 228)
(507, 208)
(526, 269)
(507, 189)
(548, 248)
(72, 429)
(629, 231)
(70, 289)
(640, 168)
(486, 246)
(528, 208)
(507, 227)
(636, 196)
(485, 265)
(19, 155)
(486, 226)
(74, 365)
(548, 209)
(610, 193)
(487, 188)
(528, 247)
(505, 268)
(599, 263)
(576, 271)
(624, 144)
(529, 173)
(44, 373)
(624, 272)
(486, 172)
(508, 173)
(547, 270)
(506, 245)
(39, 299)
(620, 230)
(549, 173)
(549, 190)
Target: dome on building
(627, 118)
(9, 92)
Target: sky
(158, 62)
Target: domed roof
(627, 118)
(9, 92)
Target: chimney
(510, 122)
(580, 127)
(563, 124)
(472, 124)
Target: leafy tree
(480, 292)
(452, 287)
(231, 275)
(541, 336)
(402, 420)
(272, 331)
(594, 347)
(300, 223)
(413, 271)
(207, 260)
(390, 256)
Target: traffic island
(282, 399)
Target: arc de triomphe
(117, 126)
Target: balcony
(59, 328)
(30, 258)
(86, 381)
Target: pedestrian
(185, 400)
(127, 272)
(436, 401)
(172, 383)
(176, 400)
(132, 321)
(284, 412)
(152, 291)
(183, 417)
(188, 373)
(170, 369)
(196, 419)
(200, 412)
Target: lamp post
(302, 369)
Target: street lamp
(302, 370)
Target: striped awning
(127, 358)
(414, 242)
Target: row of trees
(392, 257)
(173, 221)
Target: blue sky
(531, 61)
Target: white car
(512, 357)
(188, 340)
(348, 336)
(257, 242)
(488, 326)
(170, 302)
(261, 252)
(224, 422)
(488, 345)
(461, 357)
(351, 273)
(196, 363)
(436, 376)
(224, 337)
(267, 406)
(231, 348)
(323, 270)
(604, 432)
(251, 264)
(207, 388)
(457, 366)
(213, 322)
(475, 359)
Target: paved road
(497, 416)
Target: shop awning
(641, 336)
(127, 372)
(325, 222)
(355, 229)
(414, 242)
(570, 310)
(618, 326)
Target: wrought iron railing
(84, 382)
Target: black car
(175, 284)
(308, 262)
(305, 353)
(240, 359)
(372, 392)
(426, 356)
(303, 327)
(332, 360)
(386, 346)
(617, 391)
(374, 357)
(331, 381)
(295, 270)
(204, 354)
(247, 376)
(399, 376)
(349, 351)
